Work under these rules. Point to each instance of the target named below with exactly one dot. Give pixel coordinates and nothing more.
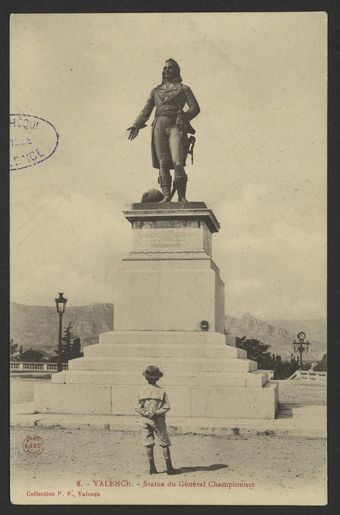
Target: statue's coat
(168, 101)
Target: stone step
(285, 410)
(165, 350)
(164, 337)
(107, 377)
(194, 401)
(167, 365)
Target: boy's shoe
(169, 468)
(171, 471)
(153, 469)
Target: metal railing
(308, 375)
(30, 366)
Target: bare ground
(273, 463)
(284, 469)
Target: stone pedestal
(168, 284)
(169, 281)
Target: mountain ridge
(37, 327)
(280, 338)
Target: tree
(71, 346)
(322, 365)
(67, 343)
(32, 355)
(258, 351)
(76, 349)
(14, 353)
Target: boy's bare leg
(149, 452)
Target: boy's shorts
(156, 427)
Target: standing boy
(152, 405)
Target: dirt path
(283, 470)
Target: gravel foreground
(84, 466)
(98, 466)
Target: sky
(260, 156)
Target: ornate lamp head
(61, 303)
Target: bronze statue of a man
(170, 128)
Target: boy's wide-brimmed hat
(152, 372)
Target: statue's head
(171, 71)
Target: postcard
(168, 258)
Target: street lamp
(301, 346)
(60, 303)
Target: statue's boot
(165, 183)
(181, 183)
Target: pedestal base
(203, 377)
(168, 284)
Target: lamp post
(301, 346)
(60, 303)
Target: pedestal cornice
(150, 211)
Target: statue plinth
(168, 284)
(169, 281)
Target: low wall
(36, 367)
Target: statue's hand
(133, 132)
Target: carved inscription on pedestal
(168, 240)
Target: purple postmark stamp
(32, 140)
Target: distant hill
(279, 334)
(37, 327)
(315, 328)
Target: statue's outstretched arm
(194, 108)
(144, 115)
